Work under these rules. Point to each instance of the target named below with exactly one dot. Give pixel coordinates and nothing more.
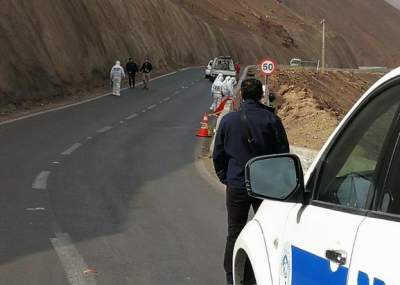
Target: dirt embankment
(370, 27)
(59, 48)
(311, 105)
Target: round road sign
(268, 66)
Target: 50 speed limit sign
(268, 67)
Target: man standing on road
(147, 67)
(116, 75)
(252, 131)
(132, 69)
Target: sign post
(267, 67)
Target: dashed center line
(131, 116)
(35, 209)
(73, 263)
(40, 182)
(105, 129)
(166, 99)
(151, 107)
(71, 149)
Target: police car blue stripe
(311, 269)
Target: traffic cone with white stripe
(204, 129)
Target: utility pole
(323, 46)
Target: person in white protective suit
(116, 75)
(231, 86)
(216, 92)
(225, 86)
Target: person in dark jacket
(146, 69)
(237, 141)
(132, 69)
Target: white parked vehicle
(341, 223)
(223, 65)
(295, 62)
(208, 69)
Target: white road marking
(161, 76)
(151, 107)
(166, 99)
(70, 150)
(76, 104)
(73, 263)
(36, 209)
(121, 122)
(144, 111)
(103, 130)
(131, 116)
(177, 92)
(89, 138)
(55, 162)
(40, 182)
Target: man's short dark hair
(130, 59)
(252, 89)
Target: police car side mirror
(276, 177)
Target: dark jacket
(146, 67)
(232, 151)
(131, 67)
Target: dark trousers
(238, 204)
(132, 79)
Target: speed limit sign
(268, 67)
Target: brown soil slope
(370, 27)
(52, 47)
(311, 105)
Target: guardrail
(364, 69)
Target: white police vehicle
(341, 223)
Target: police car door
(320, 237)
(376, 251)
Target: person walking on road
(216, 92)
(116, 75)
(252, 131)
(225, 86)
(231, 86)
(146, 69)
(132, 69)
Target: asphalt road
(108, 192)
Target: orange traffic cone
(204, 131)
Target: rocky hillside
(312, 104)
(53, 48)
(370, 27)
